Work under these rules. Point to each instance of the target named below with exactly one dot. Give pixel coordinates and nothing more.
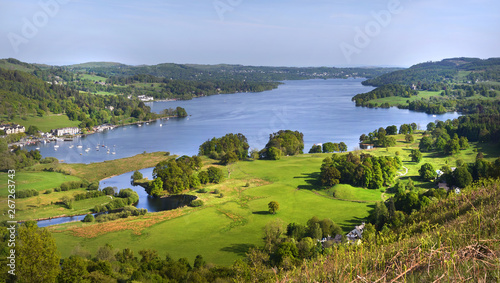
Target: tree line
(362, 171)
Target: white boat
(161, 125)
(71, 146)
(139, 125)
(56, 146)
(113, 152)
(37, 148)
(79, 146)
(147, 123)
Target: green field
(93, 78)
(39, 181)
(225, 227)
(398, 100)
(46, 123)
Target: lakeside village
(61, 134)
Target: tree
(452, 146)
(342, 147)
(330, 176)
(136, 176)
(416, 155)
(37, 256)
(274, 153)
(409, 138)
(272, 234)
(155, 187)
(462, 177)
(199, 262)
(273, 207)
(380, 214)
(88, 218)
(464, 143)
(203, 177)
(229, 158)
(32, 130)
(215, 174)
(73, 269)
(315, 149)
(425, 144)
(328, 147)
(427, 172)
(391, 130)
(283, 142)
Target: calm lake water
(321, 109)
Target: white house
(66, 131)
(12, 129)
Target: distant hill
(224, 71)
(453, 70)
(16, 65)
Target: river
(321, 109)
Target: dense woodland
(25, 95)
(445, 71)
(467, 85)
(228, 149)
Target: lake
(321, 109)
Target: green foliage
(286, 141)
(229, 158)
(363, 171)
(155, 187)
(196, 203)
(427, 172)
(178, 174)
(274, 153)
(109, 191)
(27, 193)
(409, 138)
(136, 176)
(88, 218)
(236, 144)
(37, 257)
(416, 155)
(462, 177)
(215, 174)
(181, 112)
(203, 177)
(316, 149)
(273, 207)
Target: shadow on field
(312, 180)
(261, 212)
(239, 249)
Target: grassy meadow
(226, 227)
(46, 123)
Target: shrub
(26, 193)
(216, 191)
(88, 218)
(196, 203)
(48, 191)
(202, 191)
(109, 191)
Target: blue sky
(249, 32)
